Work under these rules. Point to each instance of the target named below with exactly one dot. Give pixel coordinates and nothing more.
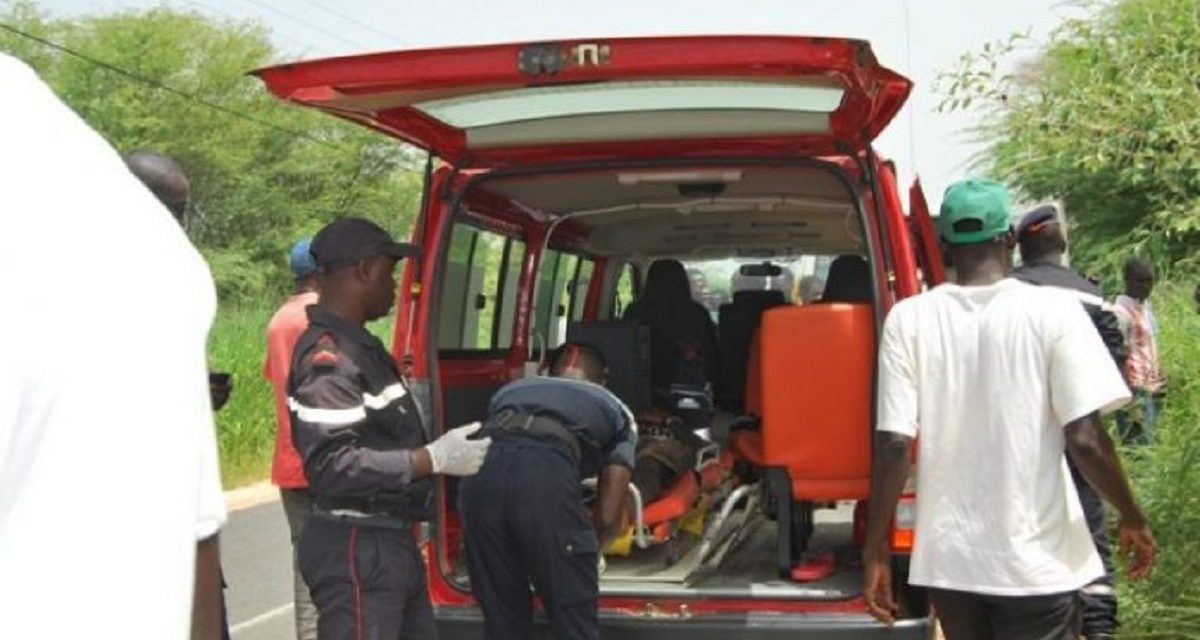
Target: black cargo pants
(368, 582)
(972, 616)
(1099, 597)
(524, 522)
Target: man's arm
(206, 597)
(1084, 383)
(613, 490)
(615, 475)
(889, 471)
(1093, 452)
(328, 410)
(897, 417)
(220, 387)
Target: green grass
(246, 426)
(1166, 479)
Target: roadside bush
(1166, 478)
(1102, 116)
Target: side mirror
(480, 302)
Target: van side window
(579, 289)
(563, 281)
(478, 309)
(625, 291)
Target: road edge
(251, 496)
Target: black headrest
(667, 281)
(849, 280)
(762, 297)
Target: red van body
(558, 171)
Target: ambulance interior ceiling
(698, 213)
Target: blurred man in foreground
(108, 457)
(165, 178)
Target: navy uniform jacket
(1051, 274)
(604, 426)
(353, 419)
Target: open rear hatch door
(929, 250)
(510, 104)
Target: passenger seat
(849, 280)
(737, 323)
(626, 347)
(815, 378)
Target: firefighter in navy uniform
(523, 514)
(365, 454)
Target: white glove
(454, 455)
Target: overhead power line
(155, 84)
(353, 20)
(304, 48)
(285, 14)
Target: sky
(918, 38)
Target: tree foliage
(260, 179)
(1105, 117)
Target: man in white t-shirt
(108, 457)
(997, 378)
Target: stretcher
(697, 519)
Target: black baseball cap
(1037, 219)
(346, 241)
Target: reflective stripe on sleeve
(387, 396)
(327, 416)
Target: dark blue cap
(1036, 219)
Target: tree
(263, 173)
(1104, 117)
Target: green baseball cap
(974, 210)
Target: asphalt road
(257, 558)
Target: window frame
(570, 288)
(493, 352)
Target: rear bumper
(463, 623)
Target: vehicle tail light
(905, 523)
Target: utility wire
(353, 20)
(315, 28)
(304, 47)
(150, 82)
